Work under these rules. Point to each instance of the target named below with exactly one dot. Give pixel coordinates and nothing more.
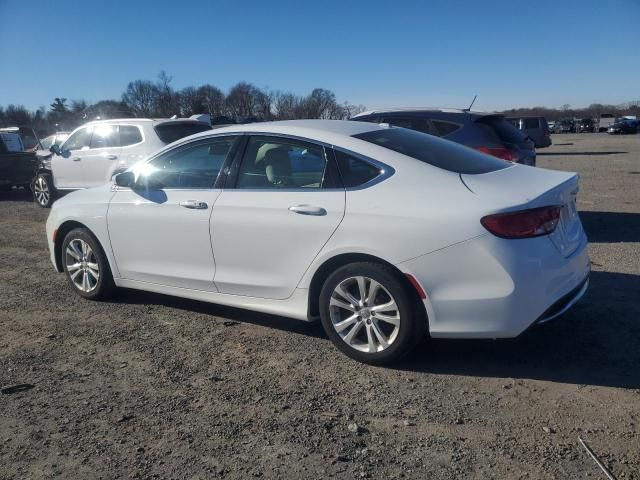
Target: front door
(159, 230)
(273, 222)
(67, 167)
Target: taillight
(524, 223)
(503, 153)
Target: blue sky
(376, 53)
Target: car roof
(419, 110)
(322, 130)
(141, 121)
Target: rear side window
(355, 172)
(277, 163)
(129, 135)
(531, 123)
(504, 130)
(172, 131)
(418, 124)
(442, 129)
(434, 151)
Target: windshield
(172, 131)
(434, 151)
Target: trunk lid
(520, 187)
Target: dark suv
(487, 132)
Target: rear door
(280, 210)
(102, 157)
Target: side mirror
(125, 179)
(55, 148)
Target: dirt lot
(148, 386)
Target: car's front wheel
(43, 190)
(85, 265)
(369, 314)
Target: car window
(12, 142)
(105, 136)
(442, 129)
(172, 131)
(47, 142)
(129, 135)
(355, 172)
(434, 151)
(274, 163)
(80, 139)
(502, 129)
(193, 166)
(418, 124)
(531, 123)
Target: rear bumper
(493, 288)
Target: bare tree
(140, 96)
(286, 105)
(240, 100)
(167, 100)
(213, 100)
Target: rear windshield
(503, 129)
(170, 132)
(434, 151)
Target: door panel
(102, 158)
(262, 246)
(156, 239)
(67, 167)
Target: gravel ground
(149, 386)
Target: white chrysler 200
(382, 232)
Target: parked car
(586, 125)
(623, 127)
(96, 151)
(485, 132)
(565, 126)
(605, 121)
(28, 136)
(535, 127)
(17, 166)
(385, 233)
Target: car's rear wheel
(43, 190)
(85, 265)
(368, 313)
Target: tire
(360, 325)
(44, 192)
(83, 260)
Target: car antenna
(471, 105)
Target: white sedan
(382, 232)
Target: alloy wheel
(364, 314)
(82, 265)
(41, 190)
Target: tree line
(566, 112)
(244, 102)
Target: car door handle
(76, 159)
(111, 157)
(194, 204)
(308, 210)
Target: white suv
(96, 151)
